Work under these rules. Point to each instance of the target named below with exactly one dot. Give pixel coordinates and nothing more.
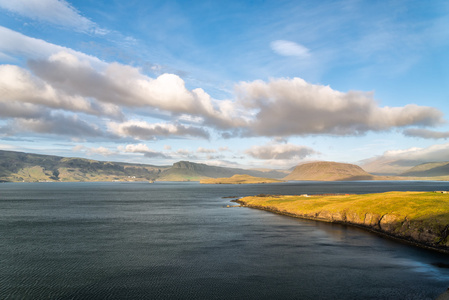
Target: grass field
(422, 217)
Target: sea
(179, 240)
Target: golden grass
(425, 206)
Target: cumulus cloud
(426, 133)
(141, 148)
(19, 88)
(63, 80)
(205, 150)
(57, 12)
(288, 48)
(127, 86)
(57, 124)
(147, 131)
(284, 107)
(280, 152)
(90, 151)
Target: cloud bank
(112, 100)
(285, 107)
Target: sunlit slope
(421, 217)
(328, 171)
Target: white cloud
(63, 79)
(141, 148)
(147, 131)
(426, 133)
(438, 152)
(57, 12)
(126, 86)
(20, 88)
(205, 150)
(55, 124)
(288, 48)
(17, 44)
(90, 151)
(284, 107)
(280, 152)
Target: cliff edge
(421, 218)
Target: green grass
(421, 216)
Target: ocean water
(179, 241)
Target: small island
(239, 179)
(420, 218)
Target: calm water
(177, 241)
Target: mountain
(428, 170)
(328, 171)
(19, 166)
(189, 171)
(388, 167)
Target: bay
(179, 241)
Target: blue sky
(230, 83)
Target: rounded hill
(328, 171)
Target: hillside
(18, 166)
(435, 169)
(27, 167)
(189, 171)
(328, 171)
(239, 179)
(418, 217)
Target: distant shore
(417, 218)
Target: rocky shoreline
(413, 232)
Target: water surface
(176, 240)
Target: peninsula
(420, 218)
(239, 179)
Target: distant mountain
(19, 166)
(428, 170)
(189, 171)
(328, 171)
(390, 166)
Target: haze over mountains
(27, 167)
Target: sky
(250, 84)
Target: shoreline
(369, 228)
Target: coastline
(408, 231)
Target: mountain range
(28, 167)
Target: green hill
(328, 171)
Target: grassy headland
(418, 217)
(239, 179)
